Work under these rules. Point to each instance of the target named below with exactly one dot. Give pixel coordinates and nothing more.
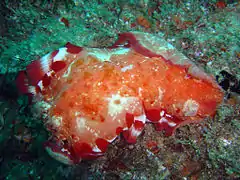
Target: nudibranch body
(88, 96)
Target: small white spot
(168, 115)
(162, 113)
(172, 124)
(63, 150)
(56, 121)
(226, 142)
(96, 149)
(77, 113)
(140, 91)
(190, 107)
(129, 67)
(32, 90)
(45, 106)
(116, 108)
(81, 123)
(160, 94)
(209, 63)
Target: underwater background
(207, 32)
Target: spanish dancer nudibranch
(88, 96)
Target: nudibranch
(88, 96)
